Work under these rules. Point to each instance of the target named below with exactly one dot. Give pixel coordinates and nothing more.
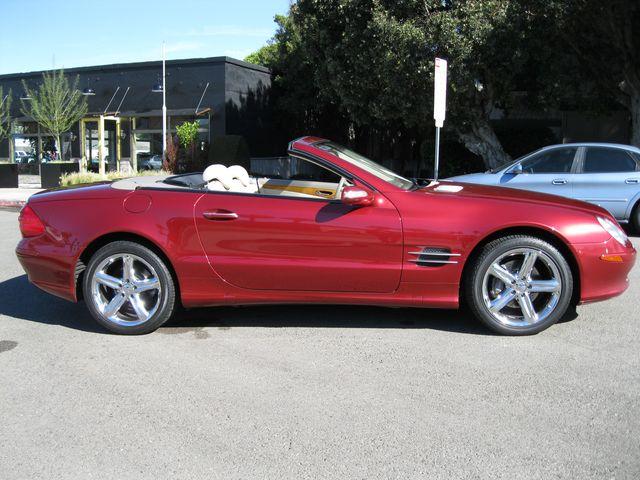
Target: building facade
(123, 126)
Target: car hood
(471, 190)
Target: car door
(276, 242)
(549, 171)
(608, 177)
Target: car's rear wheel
(519, 285)
(128, 288)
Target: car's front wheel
(128, 288)
(519, 285)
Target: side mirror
(516, 169)
(357, 196)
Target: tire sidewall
(167, 293)
(493, 251)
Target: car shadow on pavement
(21, 300)
(327, 316)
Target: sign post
(439, 107)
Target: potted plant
(51, 172)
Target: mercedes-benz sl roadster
(331, 227)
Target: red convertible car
(332, 227)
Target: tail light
(30, 224)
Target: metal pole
(436, 165)
(164, 106)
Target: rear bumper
(600, 279)
(46, 268)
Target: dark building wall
(248, 111)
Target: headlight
(613, 229)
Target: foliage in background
(170, 163)
(596, 52)
(187, 134)
(78, 178)
(55, 105)
(361, 71)
(5, 115)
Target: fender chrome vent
(433, 257)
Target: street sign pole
(439, 107)
(436, 165)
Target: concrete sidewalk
(16, 197)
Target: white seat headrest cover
(240, 173)
(217, 173)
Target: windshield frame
(366, 164)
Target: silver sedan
(606, 174)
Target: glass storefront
(31, 147)
(147, 135)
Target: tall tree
(373, 61)
(605, 40)
(55, 105)
(5, 115)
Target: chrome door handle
(559, 181)
(220, 215)
(632, 181)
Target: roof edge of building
(152, 63)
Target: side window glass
(608, 160)
(558, 160)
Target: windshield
(366, 164)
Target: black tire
(163, 300)
(635, 218)
(496, 249)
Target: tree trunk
(634, 108)
(480, 139)
(59, 146)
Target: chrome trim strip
(439, 254)
(417, 260)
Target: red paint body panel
(296, 250)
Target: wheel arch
(634, 205)
(537, 232)
(99, 242)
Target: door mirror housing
(516, 169)
(357, 196)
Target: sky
(45, 34)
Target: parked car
(23, 157)
(149, 162)
(136, 248)
(602, 173)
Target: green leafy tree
(597, 45)
(55, 105)
(371, 62)
(5, 114)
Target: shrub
(78, 178)
(188, 134)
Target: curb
(12, 204)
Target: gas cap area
(137, 203)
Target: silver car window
(558, 160)
(608, 160)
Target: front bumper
(600, 279)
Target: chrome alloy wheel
(126, 290)
(522, 287)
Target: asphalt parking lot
(313, 392)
